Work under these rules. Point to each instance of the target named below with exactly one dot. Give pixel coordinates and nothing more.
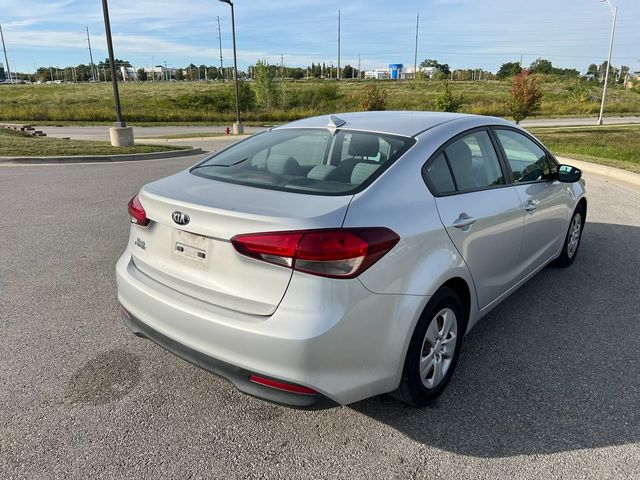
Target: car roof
(404, 123)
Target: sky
(463, 33)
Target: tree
(592, 70)
(267, 92)
(541, 65)
(525, 96)
(348, 72)
(442, 67)
(142, 75)
(509, 69)
(179, 75)
(448, 102)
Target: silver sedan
(341, 257)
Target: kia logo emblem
(180, 218)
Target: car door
(544, 199)
(481, 212)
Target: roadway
(547, 386)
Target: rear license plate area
(190, 247)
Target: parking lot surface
(547, 385)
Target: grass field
(15, 144)
(212, 103)
(616, 146)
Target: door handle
(531, 206)
(464, 221)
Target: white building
(129, 74)
(377, 74)
(160, 73)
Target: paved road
(102, 132)
(547, 387)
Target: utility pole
(415, 57)
(338, 72)
(220, 43)
(6, 60)
(614, 12)
(121, 135)
(93, 77)
(359, 67)
(281, 66)
(51, 73)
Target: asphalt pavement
(547, 385)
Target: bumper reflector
(287, 387)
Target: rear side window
(528, 162)
(315, 161)
(439, 175)
(469, 163)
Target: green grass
(211, 103)
(16, 144)
(616, 146)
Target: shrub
(373, 98)
(580, 92)
(525, 96)
(448, 102)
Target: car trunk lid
(198, 259)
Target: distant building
(3, 76)
(129, 74)
(160, 73)
(377, 74)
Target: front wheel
(433, 351)
(572, 240)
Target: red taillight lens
(137, 213)
(287, 387)
(340, 253)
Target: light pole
(121, 135)
(237, 127)
(614, 12)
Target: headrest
(364, 145)
(320, 172)
(460, 156)
(362, 171)
(282, 164)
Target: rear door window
(314, 161)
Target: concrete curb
(603, 170)
(104, 158)
(143, 141)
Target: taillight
(340, 253)
(137, 213)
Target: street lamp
(614, 12)
(237, 127)
(121, 135)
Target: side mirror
(569, 174)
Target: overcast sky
(462, 33)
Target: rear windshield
(315, 161)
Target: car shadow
(554, 368)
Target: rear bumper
(333, 336)
(236, 375)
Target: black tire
(412, 390)
(568, 255)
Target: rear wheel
(572, 240)
(433, 350)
